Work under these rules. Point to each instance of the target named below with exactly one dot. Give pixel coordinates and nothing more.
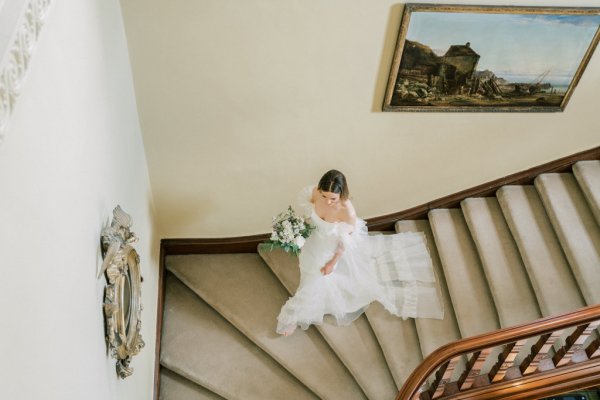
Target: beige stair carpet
(504, 270)
(193, 341)
(433, 333)
(176, 387)
(246, 293)
(356, 344)
(398, 339)
(548, 270)
(473, 306)
(577, 231)
(588, 176)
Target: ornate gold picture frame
(489, 58)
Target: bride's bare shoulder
(348, 214)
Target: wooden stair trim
(498, 338)
(248, 244)
(240, 244)
(159, 320)
(488, 189)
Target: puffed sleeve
(344, 233)
(305, 206)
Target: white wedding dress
(395, 270)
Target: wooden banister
(556, 380)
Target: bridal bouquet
(289, 231)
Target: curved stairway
(528, 252)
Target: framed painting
(489, 58)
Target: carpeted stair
(531, 251)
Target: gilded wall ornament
(122, 295)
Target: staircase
(528, 252)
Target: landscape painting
(482, 58)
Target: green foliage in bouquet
(289, 231)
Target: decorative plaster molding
(16, 60)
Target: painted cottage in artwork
(450, 73)
(464, 59)
(419, 60)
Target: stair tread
(576, 229)
(222, 281)
(504, 270)
(175, 386)
(433, 333)
(398, 340)
(469, 292)
(548, 270)
(588, 176)
(355, 344)
(194, 336)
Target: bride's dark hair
(334, 182)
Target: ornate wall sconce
(122, 295)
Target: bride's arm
(349, 217)
(328, 268)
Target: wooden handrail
(498, 338)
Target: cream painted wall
(244, 102)
(73, 150)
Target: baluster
(593, 349)
(480, 364)
(544, 352)
(517, 371)
(500, 366)
(439, 377)
(422, 394)
(574, 343)
(511, 359)
(550, 362)
(461, 383)
(446, 377)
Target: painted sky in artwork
(513, 46)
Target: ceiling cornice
(22, 23)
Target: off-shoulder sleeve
(305, 205)
(344, 232)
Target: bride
(343, 269)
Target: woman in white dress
(343, 269)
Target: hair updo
(334, 182)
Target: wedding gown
(395, 270)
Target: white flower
(289, 230)
(299, 241)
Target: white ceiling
(243, 102)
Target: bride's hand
(328, 268)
